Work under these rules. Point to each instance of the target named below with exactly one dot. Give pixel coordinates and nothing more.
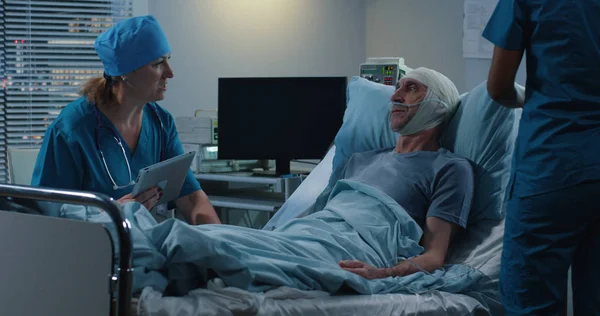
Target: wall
(223, 38)
(140, 7)
(477, 71)
(426, 33)
(213, 38)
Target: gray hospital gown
(425, 183)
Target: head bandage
(131, 44)
(438, 105)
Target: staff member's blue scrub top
(558, 140)
(552, 212)
(69, 158)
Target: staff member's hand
(148, 198)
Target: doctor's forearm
(204, 214)
(501, 78)
(197, 209)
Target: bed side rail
(123, 279)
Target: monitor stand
(282, 168)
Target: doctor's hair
(98, 90)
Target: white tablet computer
(168, 175)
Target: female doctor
(100, 141)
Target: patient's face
(409, 92)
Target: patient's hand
(365, 270)
(370, 272)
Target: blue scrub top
(559, 134)
(69, 158)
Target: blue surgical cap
(131, 44)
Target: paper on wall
(477, 13)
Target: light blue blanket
(358, 222)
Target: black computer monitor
(279, 119)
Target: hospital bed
(480, 248)
(67, 269)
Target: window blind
(46, 53)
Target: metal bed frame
(120, 281)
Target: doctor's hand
(365, 270)
(148, 198)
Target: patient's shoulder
(450, 156)
(449, 160)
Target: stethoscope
(117, 138)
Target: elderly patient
(433, 185)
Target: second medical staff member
(552, 215)
(99, 142)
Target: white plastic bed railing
(121, 281)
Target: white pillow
(365, 125)
(484, 132)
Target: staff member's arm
(197, 209)
(505, 31)
(193, 203)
